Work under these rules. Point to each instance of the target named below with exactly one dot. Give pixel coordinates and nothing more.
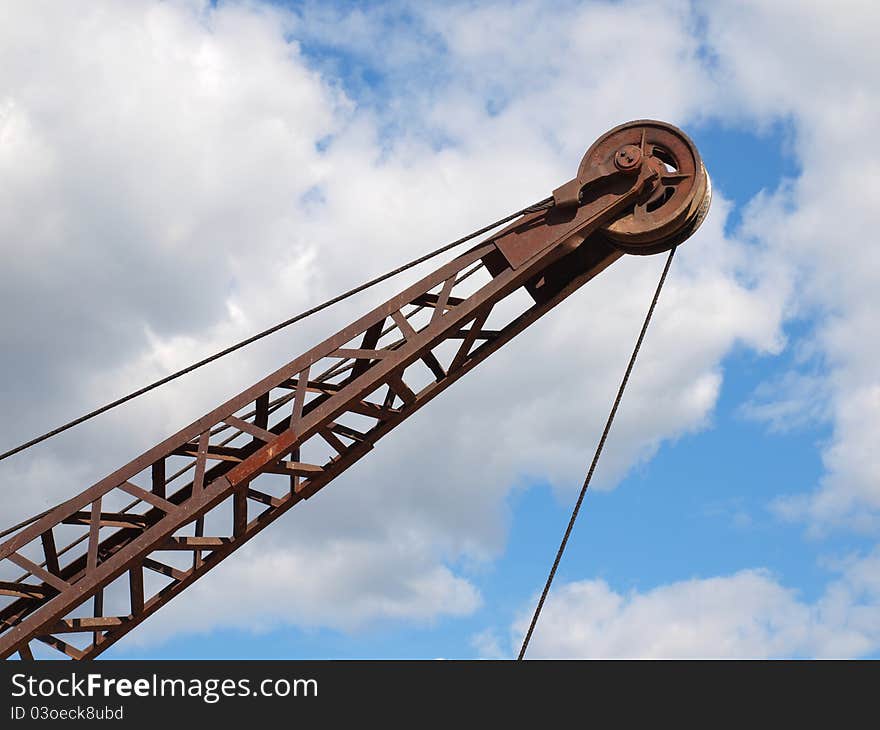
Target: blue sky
(247, 159)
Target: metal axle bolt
(628, 157)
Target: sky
(178, 175)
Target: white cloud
(792, 401)
(745, 615)
(487, 644)
(164, 196)
(343, 583)
(812, 65)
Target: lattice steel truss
(141, 536)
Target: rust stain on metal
(641, 188)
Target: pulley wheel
(676, 207)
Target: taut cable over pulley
(205, 491)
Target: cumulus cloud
(811, 65)
(749, 614)
(342, 583)
(178, 175)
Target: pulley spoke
(675, 178)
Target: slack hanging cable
(599, 447)
(536, 207)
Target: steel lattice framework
(142, 535)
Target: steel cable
(595, 461)
(540, 205)
(273, 406)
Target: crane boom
(146, 532)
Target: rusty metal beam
(283, 424)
